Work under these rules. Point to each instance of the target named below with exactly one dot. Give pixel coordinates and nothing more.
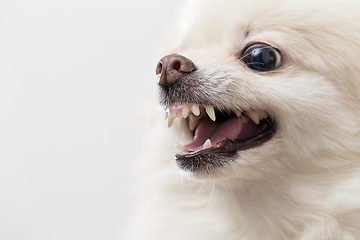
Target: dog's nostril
(177, 66)
(172, 68)
(158, 68)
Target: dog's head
(264, 86)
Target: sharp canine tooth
(263, 115)
(254, 116)
(173, 115)
(185, 112)
(193, 122)
(195, 108)
(169, 121)
(180, 147)
(179, 115)
(210, 111)
(166, 113)
(207, 144)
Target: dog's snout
(171, 68)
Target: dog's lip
(223, 151)
(220, 134)
(220, 153)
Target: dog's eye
(261, 57)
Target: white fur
(302, 184)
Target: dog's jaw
(218, 136)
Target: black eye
(261, 57)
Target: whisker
(181, 181)
(200, 188)
(212, 192)
(231, 191)
(270, 123)
(240, 59)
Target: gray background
(72, 74)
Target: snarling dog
(263, 103)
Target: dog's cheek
(312, 115)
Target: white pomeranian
(262, 100)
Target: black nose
(172, 68)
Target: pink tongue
(233, 128)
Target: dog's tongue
(234, 128)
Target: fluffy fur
(302, 184)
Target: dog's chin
(220, 137)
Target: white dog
(263, 101)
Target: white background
(72, 74)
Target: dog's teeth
(173, 115)
(179, 115)
(166, 113)
(185, 112)
(254, 116)
(207, 144)
(169, 121)
(210, 111)
(180, 147)
(195, 108)
(193, 122)
(263, 115)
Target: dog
(262, 107)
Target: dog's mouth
(218, 135)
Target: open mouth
(217, 135)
